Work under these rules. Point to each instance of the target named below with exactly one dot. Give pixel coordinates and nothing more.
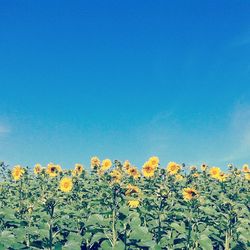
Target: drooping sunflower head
(131, 189)
(237, 172)
(196, 175)
(222, 177)
(38, 169)
(193, 168)
(66, 184)
(148, 170)
(126, 165)
(79, 168)
(17, 172)
(189, 194)
(178, 177)
(173, 168)
(95, 162)
(106, 164)
(203, 167)
(30, 209)
(215, 172)
(116, 176)
(133, 203)
(74, 173)
(245, 168)
(154, 161)
(100, 171)
(133, 171)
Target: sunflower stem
(113, 229)
(114, 233)
(51, 226)
(227, 241)
(159, 221)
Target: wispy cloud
(242, 40)
(172, 139)
(239, 133)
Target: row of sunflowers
(116, 205)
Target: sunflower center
(18, 172)
(66, 185)
(192, 193)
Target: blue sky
(125, 80)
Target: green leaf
(179, 246)
(124, 210)
(119, 246)
(97, 237)
(179, 228)
(208, 210)
(106, 245)
(17, 246)
(74, 237)
(96, 219)
(205, 242)
(157, 247)
(139, 233)
(135, 222)
(58, 246)
(72, 245)
(147, 243)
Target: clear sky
(124, 80)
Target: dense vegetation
(118, 206)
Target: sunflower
(196, 175)
(154, 161)
(74, 173)
(95, 162)
(193, 168)
(38, 169)
(179, 177)
(58, 168)
(66, 184)
(215, 172)
(106, 164)
(52, 170)
(189, 194)
(133, 171)
(148, 170)
(203, 167)
(116, 176)
(133, 203)
(247, 176)
(30, 209)
(222, 177)
(131, 189)
(100, 171)
(17, 172)
(173, 168)
(245, 168)
(79, 168)
(127, 165)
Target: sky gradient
(124, 80)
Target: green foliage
(36, 214)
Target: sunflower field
(114, 205)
